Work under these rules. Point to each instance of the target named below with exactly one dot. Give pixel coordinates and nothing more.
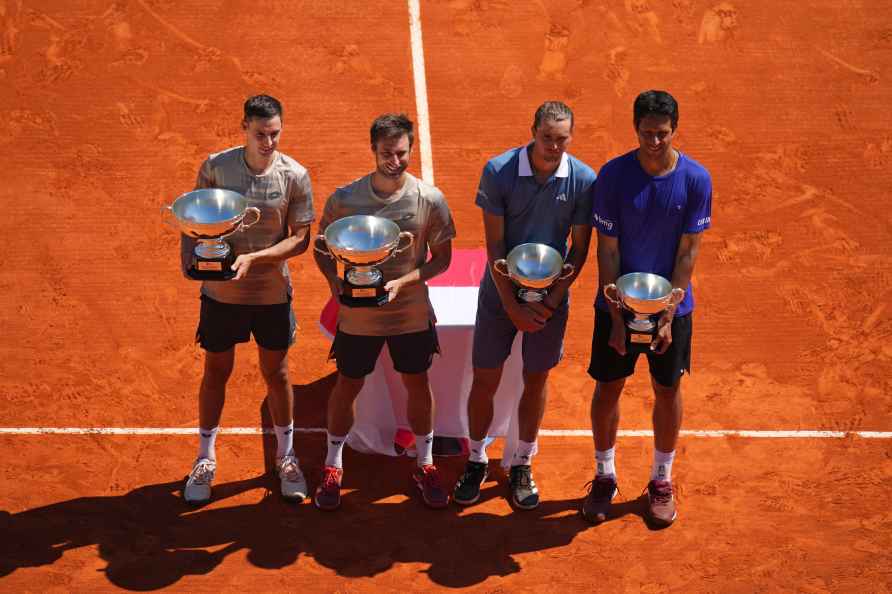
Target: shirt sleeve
(605, 209)
(699, 205)
(205, 177)
(582, 211)
(329, 213)
(442, 228)
(489, 197)
(300, 201)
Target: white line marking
(424, 130)
(759, 434)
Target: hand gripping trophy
(208, 215)
(643, 296)
(534, 267)
(360, 242)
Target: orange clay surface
(108, 108)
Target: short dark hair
(552, 110)
(263, 107)
(392, 125)
(655, 103)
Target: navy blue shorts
(607, 365)
(222, 325)
(494, 334)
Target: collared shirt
(534, 212)
(649, 214)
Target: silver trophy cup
(534, 267)
(361, 242)
(208, 216)
(644, 295)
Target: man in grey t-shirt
(406, 321)
(258, 300)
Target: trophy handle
(614, 300)
(250, 210)
(167, 210)
(499, 265)
(326, 251)
(407, 246)
(676, 296)
(569, 270)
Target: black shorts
(411, 353)
(221, 325)
(607, 365)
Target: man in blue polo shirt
(531, 194)
(651, 206)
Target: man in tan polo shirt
(258, 300)
(406, 321)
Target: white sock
(662, 468)
(605, 460)
(424, 447)
(284, 439)
(207, 438)
(523, 455)
(335, 450)
(477, 451)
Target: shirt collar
(525, 170)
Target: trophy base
(211, 269)
(364, 295)
(530, 296)
(640, 334)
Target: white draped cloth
(381, 425)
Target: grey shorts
(494, 334)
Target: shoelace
(330, 479)
(662, 494)
(523, 479)
(431, 477)
(289, 467)
(600, 487)
(203, 473)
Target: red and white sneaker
(328, 493)
(427, 480)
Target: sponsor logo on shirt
(562, 197)
(703, 221)
(607, 224)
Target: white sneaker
(294, 485)
(198, 485)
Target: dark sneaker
(427, 479)
(661, 503)
(524, 493)
(328, 493)
(596, 504)
(467, 489)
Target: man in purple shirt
(651, 206)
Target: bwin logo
(562, 197)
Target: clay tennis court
(108, 108)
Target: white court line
(424, 129)
(759, 434)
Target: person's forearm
(436, 265)
(504, 285)
(608, 272)
(291, 246)
(558, 290)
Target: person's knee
(609, 392)
(217, 368)
(349, 386)
(417, 384)
(486, 381)
(667, 394)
